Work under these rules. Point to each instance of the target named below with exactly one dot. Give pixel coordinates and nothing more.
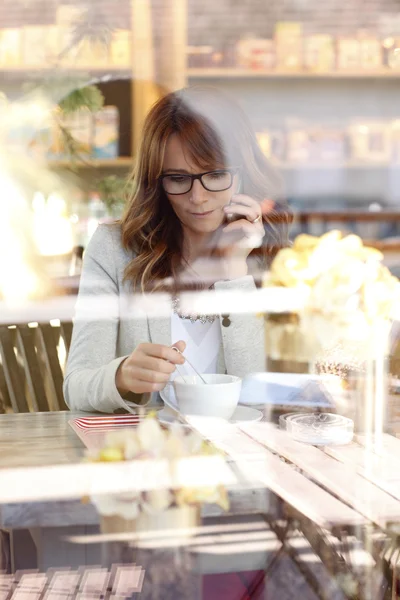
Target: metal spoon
(190, 364)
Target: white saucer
(288, 389)
(241, 415)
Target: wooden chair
(31, 375)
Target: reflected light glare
(17, 279)
(52, 229)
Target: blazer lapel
(159, 320)
(221, 368)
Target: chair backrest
(32, 361)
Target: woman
(200, 185)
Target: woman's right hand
(148, 368)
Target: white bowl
(217, 398)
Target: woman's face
(199, 210)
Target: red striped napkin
(91, 430)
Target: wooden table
(43, 447)
(340, 491)
(38, 439)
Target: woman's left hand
(241, 236)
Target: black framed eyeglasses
(212, 181)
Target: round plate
(241, 415)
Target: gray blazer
(110, 321)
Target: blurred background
(320, 82)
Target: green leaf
(114, 192)
(89, 97)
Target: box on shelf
(40, 144)
(273, 144)
(68, 17)
(10, 47)
(371, 52)
(327, 144)
(56, 149)
(199, 56)
(370, 141)
(92, 53)
(393, 55)
(120, 50)
(106, 128)
(256, 53)
(395, 141)
(25, 128)
(51, 43)
(289, 45)
(34, 49)
(348, 53)
(319, 53)
(297, 143)
(80, 126)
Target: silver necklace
(191, 317)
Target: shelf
(384, 215)
(30, 68)
(232, 73)
(124, 162)
(38, 72)
(330, 166)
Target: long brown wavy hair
(215, 133)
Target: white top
(202, 344)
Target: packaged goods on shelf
(289, 45)
(371, 52)
(297, 143)
(229, 54)
(199, 56)
(120, 49)
(18, 134)
(40, 45)
(370, 141)
(278, 145)
(327, 144)
(393, 55)
(92, 53)
(10, 47)
(272, 143)
(68, 17)
(40, 143)
(56, 149)
(319, 53)
(255, 53)
(33, 46)
(80, 125)
(51, 43)
(26, 128)
(395, 142)
(217, 59)
(348, 53)
(106, 127)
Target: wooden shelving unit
(145, 90)
(123, 162)
(236, 73)
(332, 166)
(28, 69)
